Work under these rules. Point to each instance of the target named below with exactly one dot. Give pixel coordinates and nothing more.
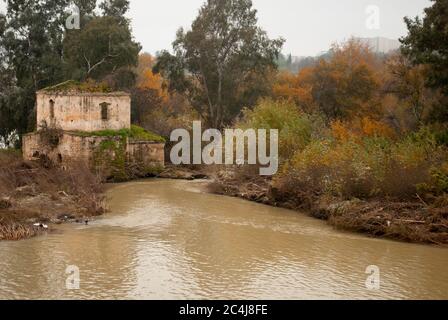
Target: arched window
(51, 109)
(104, 111)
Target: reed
(16, 231)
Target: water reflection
(166, 239)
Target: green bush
(135, 133)
(370, 167)
(442, 137)
(295, 128)
(438, 184)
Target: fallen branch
(422, 200)
(411, 221)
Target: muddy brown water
(166, 239)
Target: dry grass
(39, 192)
(17, 231)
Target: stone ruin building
(82, 126)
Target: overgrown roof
(135, 133)
(73, 87)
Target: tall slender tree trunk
(219, 107)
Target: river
(166, 239)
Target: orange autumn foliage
(357, 129)
(295, 88)
(340, 131)
(345, 84)
(374, 128)
(146, 79)
(342, 85)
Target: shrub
(361, 128)
(295, 128)
(438, 183)
(369, 167)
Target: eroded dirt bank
(33, 196)
(387, 218)
(36, 195)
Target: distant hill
(295, 64)
(380, 44)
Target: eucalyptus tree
(223, 63)
(38, 51)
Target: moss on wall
(109, 159)
(135, 133)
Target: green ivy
(111, 154)
(135, 133)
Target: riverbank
(36, 195)
(213, 247)
(415, 222)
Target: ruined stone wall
(149, 153)
(72, 147)
(83, 112)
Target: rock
(320, 213)
(200, 176)
(176, 174)
(5, 203)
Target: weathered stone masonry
(78, 116)
(88, 112)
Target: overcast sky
(309, 26)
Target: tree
(427, 43)
(31, 49)
(296, 88)
(285, 63)
(152, 106)
(407, 83)
(148, 93)
(223, 63)
(101, 47)
(115, 8)
(344, 86)
(146, 78)
(9, 93)
(144, 101)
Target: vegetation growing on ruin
(110, 159)
(136, 133)
(50, 137)
(89, 86)
(112, 163)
